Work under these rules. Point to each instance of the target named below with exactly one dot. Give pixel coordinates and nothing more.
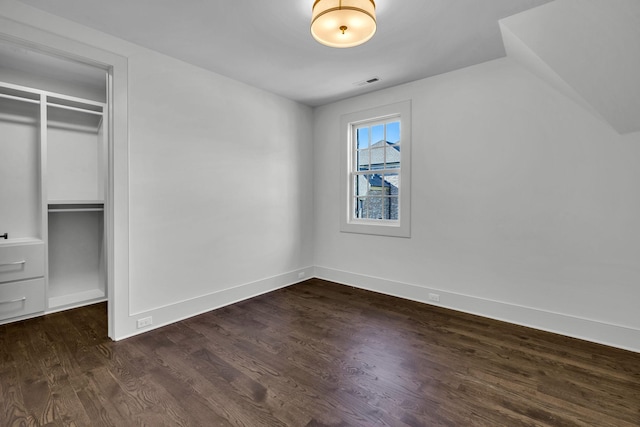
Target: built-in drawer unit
(21, 298)
(21, 260)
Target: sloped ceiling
(267, 44)
(588, 49)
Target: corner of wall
(163, 316)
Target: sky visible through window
(373, 134)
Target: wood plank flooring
(313, 354)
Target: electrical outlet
(434, 297)
(301, 275)
(145, 321)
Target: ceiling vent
(367, 82)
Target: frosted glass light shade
(343, 23)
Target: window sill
(376, 228)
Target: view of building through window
(376, 177)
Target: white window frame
(348, 123)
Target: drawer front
(19, 262)
(21, 298)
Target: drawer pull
(13, 263)
(23, 299)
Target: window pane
(386, 212)
(392, 183)
(363, 160)
(359, 208)
(377, 158)
(363, 137)
(375, 208)
(361, 183)
(362, 208)
(376, 185)
(393, 156)
(393, 132)
(391, 206)
(377, 133)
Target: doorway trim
(117, 206)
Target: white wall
(20, 171)
(220, 183)
(524, 206)
(217, 173)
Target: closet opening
(54, 184)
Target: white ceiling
(267, 44)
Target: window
(376, 171)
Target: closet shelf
(19, 93)
(77, 210)
(76, 206)
(19, 98)
(76, 202)
(66, 301)
(67, 107)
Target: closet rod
(66, 107)
(18, 98)
(78, 210)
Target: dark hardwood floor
(313, 354)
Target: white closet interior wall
(54, 151)
(20, 202)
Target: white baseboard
(590, 330)
(172, 313)
(586, 329)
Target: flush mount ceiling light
(343, 23)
